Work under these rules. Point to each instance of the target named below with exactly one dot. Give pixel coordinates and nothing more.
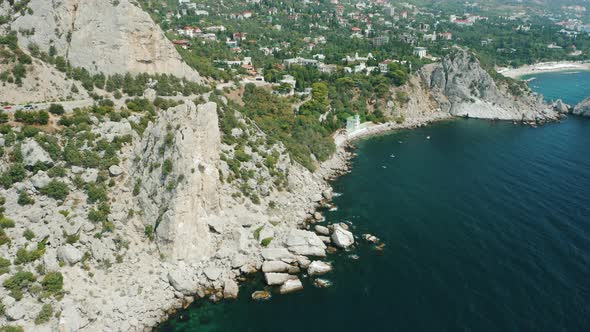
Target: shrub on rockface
(53, 282)
(18, 282)
(44, 314)
(56, 190)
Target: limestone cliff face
(102, 36)
(583, 108)
(178, 191)
(462, 87)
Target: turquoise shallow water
(572, 87)
(487, 227)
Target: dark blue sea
(486, 226)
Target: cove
(487, 227)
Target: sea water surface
(486, 225)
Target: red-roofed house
(182, 43)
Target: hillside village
(364, 37)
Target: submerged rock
(322, 283)
(370, 238)
(261, 295)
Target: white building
(301, 62)
(420, 52)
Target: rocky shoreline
(308, 244)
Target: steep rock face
(102, 36)
(583, 108)
(179, 179)
(462, 87)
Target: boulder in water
(291, 286)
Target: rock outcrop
(583, 108)
(560, 107)
(101, 36)
(180, 152)
(462, 87)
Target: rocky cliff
(101, 36)
(462, 87)
(185, 144)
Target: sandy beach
(544, 67)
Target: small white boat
(383, 166)
(427, 137)
(392, 156)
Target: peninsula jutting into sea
(182, 165)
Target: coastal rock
(69, 254)
(317, 216)
(318, 268)
(462, 87)
(278, 278)
(326, 239)
(305, 243)
(290, 286)
(272, 254)
(322, 230)
(327, 194)
(303, 261)
(278, 266)
(212, 273)
(560, 107)
(182, 281)
(248, 269)
(342, 238)
(261, 295)
(583, 108)
(230, 289)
